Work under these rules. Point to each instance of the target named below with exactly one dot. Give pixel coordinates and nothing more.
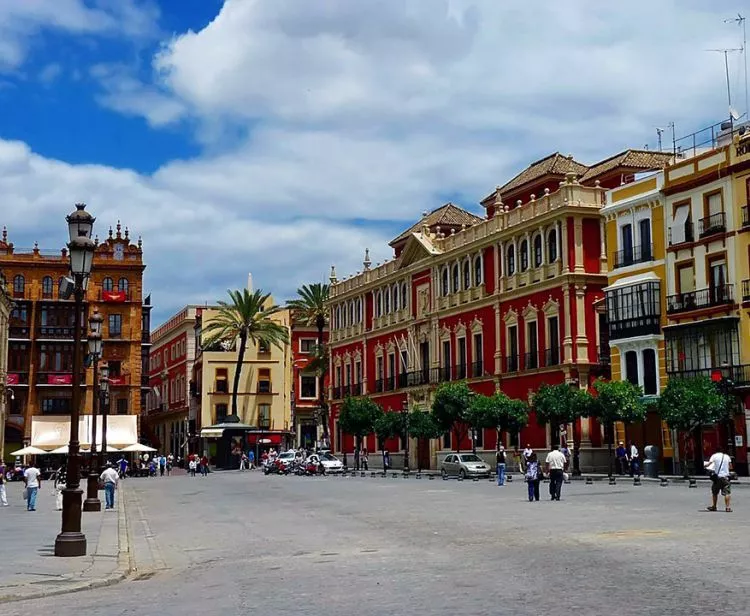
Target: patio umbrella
(137, 447)
(64, 450)
(29, 451)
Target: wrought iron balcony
(716, 223)
(511, 363)
(378, 385)
(356, 389)
(634, 254)
(637, 326)
(460, 372)
(477, 368)
(703, 298)
(531, 360)
(739, 374)
(552, 356)
(746, 290)
(55, 333)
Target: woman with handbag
(533, 476)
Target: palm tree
(247, 317)
(310, 309)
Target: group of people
(628, 459)
(197, 464)
(556, 463)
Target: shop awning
(212, 432)
(53, 431)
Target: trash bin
(651, 463)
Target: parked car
(287, 457)
(331, 463)
(464, 465)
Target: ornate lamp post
(92, 502)
(71, 541)
(104, 403)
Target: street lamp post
(71, 541)
(104, 403)
(405, 428)
(92, 502)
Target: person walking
(635, 468)
(32, 478)
(162, 465)
(110, 478)
(192, 465)
(170, 464)
(3, 495)
(204, 466)
(533, 477)
(386, 460)
(122, 465)
(621, 454)
(719, 466)
(555, 467)
(251, 459)
(365, 460)
(243, 461)
(500, 465)
(58, 486)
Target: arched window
(456, 277)
(351, 313)
(524, 256)
(378, 304)
(359, 310)
(444, 288)
(386, 301)
(510, 260)
(122, 285)
(338, 317)
(552, 246)
(107, 284)
(477, 270)
(396, 302)
(19, 285)
(467, 274)
(47, 285)
(404, 297)
(538, 254)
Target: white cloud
(49, 74)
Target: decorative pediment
(460, 329)
(510, 317)
(401, 343)
(378, 349)
(357, 355)
(445, 333)
(347, 357)
(417, 248)
(530, 312)
(551, 307)
(391, 347)
(337, 360)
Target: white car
(287, 457)
(330, 462)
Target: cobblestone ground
(237, 543)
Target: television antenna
(741, 21)
(732, 113)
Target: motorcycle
(277, 467)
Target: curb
(124, 566)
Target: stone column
(603, 266)
(582, 341)
(564, 244)
(568, 327)
(498, 351)
(578, 239)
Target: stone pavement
(27, 543)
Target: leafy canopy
(555, 404)
(422, 425)
(310, 307)
(359, 415)
(687, 403)
(498, 411)
(618, 401)
(247, 315)
(388, 425)
(450, 405)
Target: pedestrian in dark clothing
(533, 477)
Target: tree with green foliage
(358, 417)
(686, 404)
(389, 424)
(617, 401)
(422, 427)
(500, 412)
(247, 318)
(449, 409)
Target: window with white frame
(467, 274)
(477, 270)
(386, 301)
(510, 260)
(552, 245)
(456, 279)
(396, 298)
(404, 297)
(524, 255)
(444, 281)
(308, 386)
(538, 250)
(307, 345)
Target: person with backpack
(533, 476)
(719, 466)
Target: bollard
(589, 481)
(692, 483)
(612, 481)
(363, 474)
(394, 475)
(372, 474)
(636, 481)
(476, 479)
(509, 478)
(419, 475)
(664, 482)
(460, 478)
(431, 477)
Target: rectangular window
(532, 345)
(221, 382)
(221, 413)
(461, 362)
(512, 348)
(264, 381)
(263, 347)
(122, 406)
(631, 367)
(650, 376)
(626, 239)
(115, 368)
(553, 341)
(447, 440)
(358, 372)
(56, 406)
(713, 204)
(718, 280)
(446, 372)
(391, 382)
(644, 230)
(685, 278)
(307, 345)
(264, 416)
(404, 362)
(308, 386)
(338, 377)
(478, 351)
(479, 438)
(115, 325)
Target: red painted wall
(591, 245)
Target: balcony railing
(55, 332)
(21, 332)
(552, 357)
(511, 363)
(703, 298)
(687, 236)
(477, 368)
(531, 360)
(716, 223)
(746, 216)
(356, 389)
(17, 378)
(746, 290)
(114, 296)
(379, 385)
(739, 374)
(389, 383)
(637, 326)
(634, 254)
(460, 372)
(604, 353)
(336, 393)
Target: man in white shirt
(720, 465)
(32, 477)
(555, 463)
(110, 478)
(633, 456)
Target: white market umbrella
(64, 450)
(29, 451)
(138, 447)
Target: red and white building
(507, 301)
(171, 360)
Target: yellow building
(635, 297)
(263, 417)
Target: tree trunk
(685, 439)
(609, 449)
(238, 371)
(357, 447)
(576, 448)
(473, 440)
(320, 324)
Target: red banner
(59, 379)
(118, 380)
(13, 379)
(113, 296)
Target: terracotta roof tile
(554, 164)
(448, 215)
(644, 160)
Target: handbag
(25, 494)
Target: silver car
(464, 465)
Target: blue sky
(280, 137)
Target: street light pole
(104, 402)
(92, 502)
(405, 428)
(71, 541)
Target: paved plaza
(242, 543)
